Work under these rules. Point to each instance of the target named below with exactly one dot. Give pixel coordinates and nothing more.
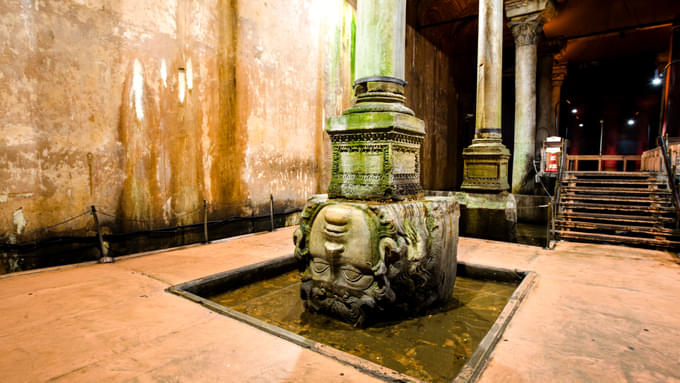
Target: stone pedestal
(485, 166)
(376, 146)
(367, 260)
(489, 216)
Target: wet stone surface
(432, 347)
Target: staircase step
(639, 199)
(612, 207)
(566, 181)
(617, 239)
(656, 231)
(614, 190)
(589, 173)
(616, 217)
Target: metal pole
(271, 212)
(103, 258)
(205, 221)
(601, 134)
(548, 225)
(557, 133)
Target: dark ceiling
(592, 28)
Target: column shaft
(544, 115)
(381, 32)
(485, 162)
(489, 70)
(559, 72)
(525, 30)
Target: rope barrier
(180, 215)
(46, 228)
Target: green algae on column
(381, 30)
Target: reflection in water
(431, 347)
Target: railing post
(271, 211)
(548, 232)
(205, 221)
(103, 258)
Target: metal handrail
(625, 158)
(670, 173)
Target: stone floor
(596, 314)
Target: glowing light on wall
(137, 89)
(164, 73)
(181, 82)
(190, 76)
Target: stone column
(381, 37)
(559, 72)
(525, 30)
(485, 162)
(375, 246)
(545, 121)
(376, 142)
(671, 114)
(526, 19)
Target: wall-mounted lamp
(630, 122)
(574, 111)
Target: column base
(485, 166)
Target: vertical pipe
(601, 134)
(102, 251)
(205, 221)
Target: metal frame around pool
(195, 290)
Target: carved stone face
(361, 261)
(342, 249)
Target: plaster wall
(145, 109)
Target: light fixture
(631, 122)
(656, 81)
(574, 111)
(580, 125)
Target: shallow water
(432, 347)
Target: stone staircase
(635, 208)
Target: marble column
(559, 72)
(545, 120)
(380, 42)
(376, 142)
(671, 107)
(525, 30)
(375, 247)
(485, 165)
